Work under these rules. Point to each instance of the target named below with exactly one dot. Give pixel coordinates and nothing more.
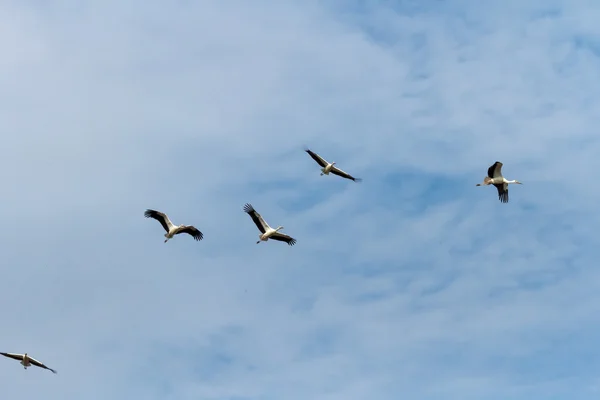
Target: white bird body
(26, 361)
(171, 228)
(270, 231)
(500, 182)
(266, 231)
(329, 167)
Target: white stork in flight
(171, 229)
(327, 167)
(26, 361)
(495, 178)
(267, 231)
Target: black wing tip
(193, 232)
(248, 208)
(358, 180)
(292, 242)
(149, 213)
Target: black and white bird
(327, 167)
(172, 229)
(495, 178)
(266, 231)
(26, 361)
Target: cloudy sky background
(413, 284)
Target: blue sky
(414, 284)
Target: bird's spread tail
(486, 181)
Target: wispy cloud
(412, 284)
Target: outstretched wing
(339, 172)
(317, 158)
(495, 171)
(13, 356)
(502, 192)
(39, 364)
(256, 217)
(160, 217)
(192, 231)
(283, 238)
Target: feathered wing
(495, 171)
(160, 217)
(502, 192)
(339, 172)
(192, 231)
(39, 364)
(256, 217)
(317, 158)
(282, 237)
(14, 356)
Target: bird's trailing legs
(486, 181)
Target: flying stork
(267, 231)
(494, 177)
(328, 167)
(171, 229)
(26, 361)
